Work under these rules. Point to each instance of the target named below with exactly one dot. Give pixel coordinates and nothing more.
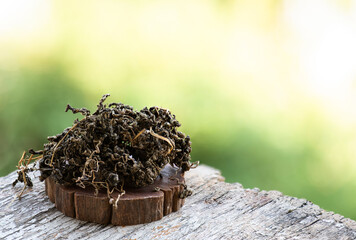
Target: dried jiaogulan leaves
(114, 147)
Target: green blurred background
(266, 89)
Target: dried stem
(164, 139)
(55, 149)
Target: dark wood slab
(136, 206)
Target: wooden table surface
(216, 210)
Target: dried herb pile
(114, 147)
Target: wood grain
(64, 200)
(216, 210)
(91, 208)
(136, 206)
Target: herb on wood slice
(114, 147)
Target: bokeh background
(266, 89)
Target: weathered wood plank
(216, 210)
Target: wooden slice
(136, 206)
